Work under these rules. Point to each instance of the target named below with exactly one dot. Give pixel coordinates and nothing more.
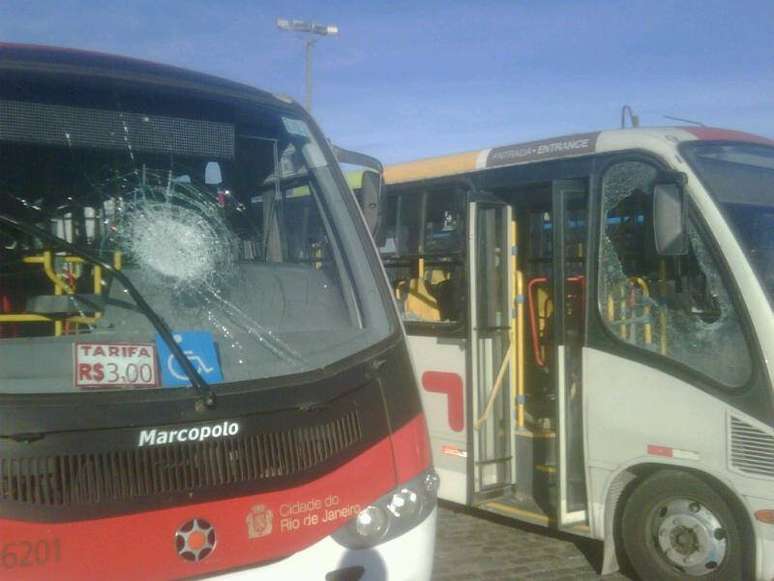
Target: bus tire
(676, 526)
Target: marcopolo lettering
(157, 437)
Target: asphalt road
(473, 545)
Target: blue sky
(414, 79)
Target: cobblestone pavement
(473, 545)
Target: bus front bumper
(408, 557)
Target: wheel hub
(689, 537)
(684, 540)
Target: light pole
(309, 29)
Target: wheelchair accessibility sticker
(199, 347)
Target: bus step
(526, 510)
(494, 460)
(493, 492)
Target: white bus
(591, 323)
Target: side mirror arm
(355, 158)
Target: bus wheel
(676, 526)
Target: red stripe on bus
(249, 530)
(659, 451)
(451, 385)
(411, 445)
(715, 134)
(765, 516)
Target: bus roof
(67, 61)
(553, 148)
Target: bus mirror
(371, 202)
(669, 219)
(212, 175)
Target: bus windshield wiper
(197, 381)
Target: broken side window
(677, 306)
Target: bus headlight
(404, 504)
(393, 514)
(371, 522)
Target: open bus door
(501, 390)
(570, 200)
(528, 431)
(491, 349)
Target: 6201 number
(29, 553)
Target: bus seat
(437, 276)
(420, 303)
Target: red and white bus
(202, 372)
(590, 318)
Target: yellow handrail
(662, 315)
(520, 347)
(628, 313)
(512, 379)
(648, 327)
(46, 260)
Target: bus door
(570, 199)
(491, 355)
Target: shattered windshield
(741, 178)
(223, 215)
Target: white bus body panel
(643, 406)
(449, 443)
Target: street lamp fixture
(310, 29)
